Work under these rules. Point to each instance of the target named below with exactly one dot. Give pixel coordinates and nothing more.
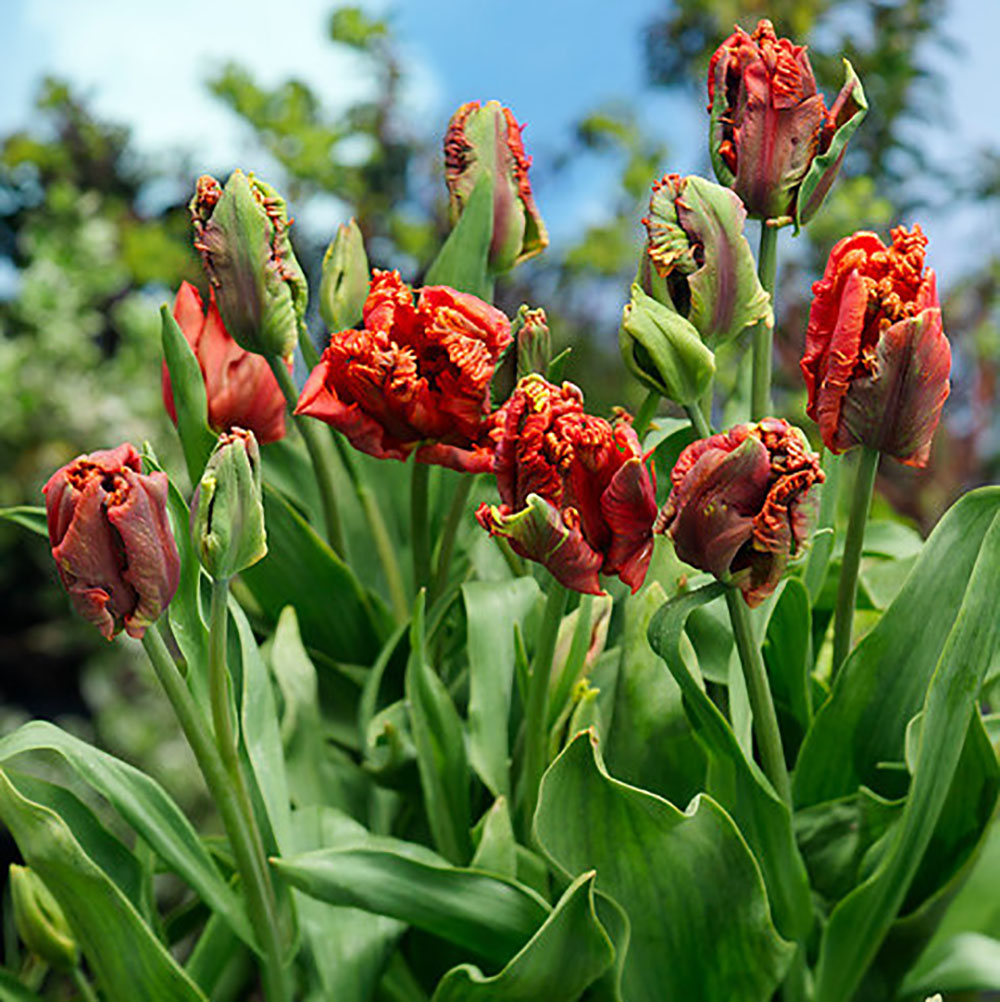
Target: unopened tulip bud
(534, 343)
(241, 232)
(663, 350)
(698, 261)
(227, 513)
(343, 288)
(40, 921)
(488, 138)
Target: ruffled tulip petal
(628, 505)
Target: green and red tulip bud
(40, 921)
(575, 493)
(487, 138)
(415, 378)
(346, 277)
(772, 138)
(111, 539)
(534, 343)
(738, 504)
(241, 389)
(241, 232)
(227, 511)
(876, 361)
(697, 261)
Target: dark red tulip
(876, 361)
(772, 139)
(241, 388)
(737, 507)
(576, 495)
(416, 377)
(111, 539)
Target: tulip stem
(241, 828)
(309, 429)
(765, 720)
(767, 262)
(536, 711)
(645, 414)
(824, 535)
(419, 524)
(698, 420)
(82, 985)
(446, 547)
(847, 590)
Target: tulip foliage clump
(499, 699)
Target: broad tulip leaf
(693, 936)
(301, 570)
(492, 608)
(126, 958)
(28, 516)
(440, 744)
(786, 653)
(651, 744)
(734, 779)
(491, 916)
(496, 847)
(883, 683)
(569, 952)
(190, 399)
(11, 990)
(462, 260)
(144, 804)
(968, 962)
(860, 922)
(215, 952)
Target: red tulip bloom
(575, 493)
(772, 139)
(876, 362)
(737, 507)
(242, 391)
(111, 539)
(416, 377)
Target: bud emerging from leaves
(772, 139)
(111, 539)
(737, 507)
(534, 343)
(698, 261)
(876, 362)
(241, 232)
(488, 138)
(344, 285)
(227, 513)
(40, 921)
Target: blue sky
(145, 64)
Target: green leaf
(126, 958)
(570, 951)
(440, 744)
(651, 744)
(301, 570)
(968, 962)
(462, 260)
(496, 847)
(786, 653)
(860, 922)
(144, 804)
(11, 990)
(735, 780)
(492, 608)
(689, 885)
(28, 516)
(491, 916)
(883, 683)
(190, 399)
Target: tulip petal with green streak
(241, 232)
(227, 512)
(696, 244)
(40, 921)
(343, 288)
(663, 350)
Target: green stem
(705, 403)
(767, 260)
(447, 545)
(309, 428)
(248, 847)
(537, 706)
(309, 353)
(419, 524)
(823, 537)
(765, 720)
(847, 591)
(239, 827)
(698, 421)
(646, 413)
(82, 985)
